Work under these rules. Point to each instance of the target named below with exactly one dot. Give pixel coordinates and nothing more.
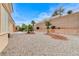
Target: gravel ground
(40, 44)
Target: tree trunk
(33, 28)
(47, 31)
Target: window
(37, 28)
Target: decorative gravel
(40, 44)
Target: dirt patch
(57, 36)
(31, 33)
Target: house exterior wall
(14, 28)
(67, 24)
(7, 22)
(0, 17)
(10, 26)
(4, 20)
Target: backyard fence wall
(66, 31)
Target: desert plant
(58, 11)
(47, 23)
(55, 13)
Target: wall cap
(3, 33)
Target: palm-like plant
(55, 13)
(30, 28)
(58, 11)
(61, 10)
(47, 23)
(33, 23)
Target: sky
(26, 12)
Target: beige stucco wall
(41, 26)
(0, 17)
(5, 24)
(3, 40)
(65, 31)
(67, 23)
(10, 26)
(4, 20)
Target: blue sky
(26, 12)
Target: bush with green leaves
(23, 27)
(30, 27)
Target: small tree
(30, 28)
(33, 23)
(47, 23)
(69, 12)
(23, 27)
